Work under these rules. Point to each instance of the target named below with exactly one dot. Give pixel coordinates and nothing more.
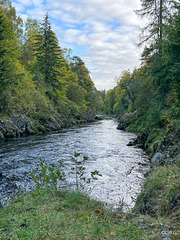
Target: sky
(103, 33)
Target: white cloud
(102, 32)
(25, 2)
(37, 13)
(19, 7)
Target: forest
(39, 80)
(147, 100)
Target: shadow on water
(122, 167)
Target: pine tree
(48, 54)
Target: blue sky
(104, 33)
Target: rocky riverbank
(16, 126)
(157, 140)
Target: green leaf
(85, 158)
(50, 169)
(77, 155)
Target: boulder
(125, 120)
(21, 123)
(50, 123)
(7, 129)
(141, 140)
(15, 126)
(98, 118)
(158, 159)
(90, 117)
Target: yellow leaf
(112, 233)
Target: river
(122, 167)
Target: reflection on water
(122, 167)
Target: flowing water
(122, 167)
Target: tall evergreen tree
(48, 54)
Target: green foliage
(75, 93)
(84, 80)
(35, 77)
(152, 91)
(16, 21)
(48, 176)
(8, 59)
(109, 102)
(79, 172)
(48, 54)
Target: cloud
(36, 13)
(19, 7)
(102, 32)
(24, 2)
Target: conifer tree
(48, 54)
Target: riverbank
(15, 126)
(160, 195)
(65, 215)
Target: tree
(32, 28)
(48, 53)
(172, 51)
(2, 50)
(9, 52)
(158, 12)
(77, 65)
(109, 101)
(17, 21)
(75, 93)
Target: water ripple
(122, 167)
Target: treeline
(37, 77)
(147, 100)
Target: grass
(161, 193)
(70, 215)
